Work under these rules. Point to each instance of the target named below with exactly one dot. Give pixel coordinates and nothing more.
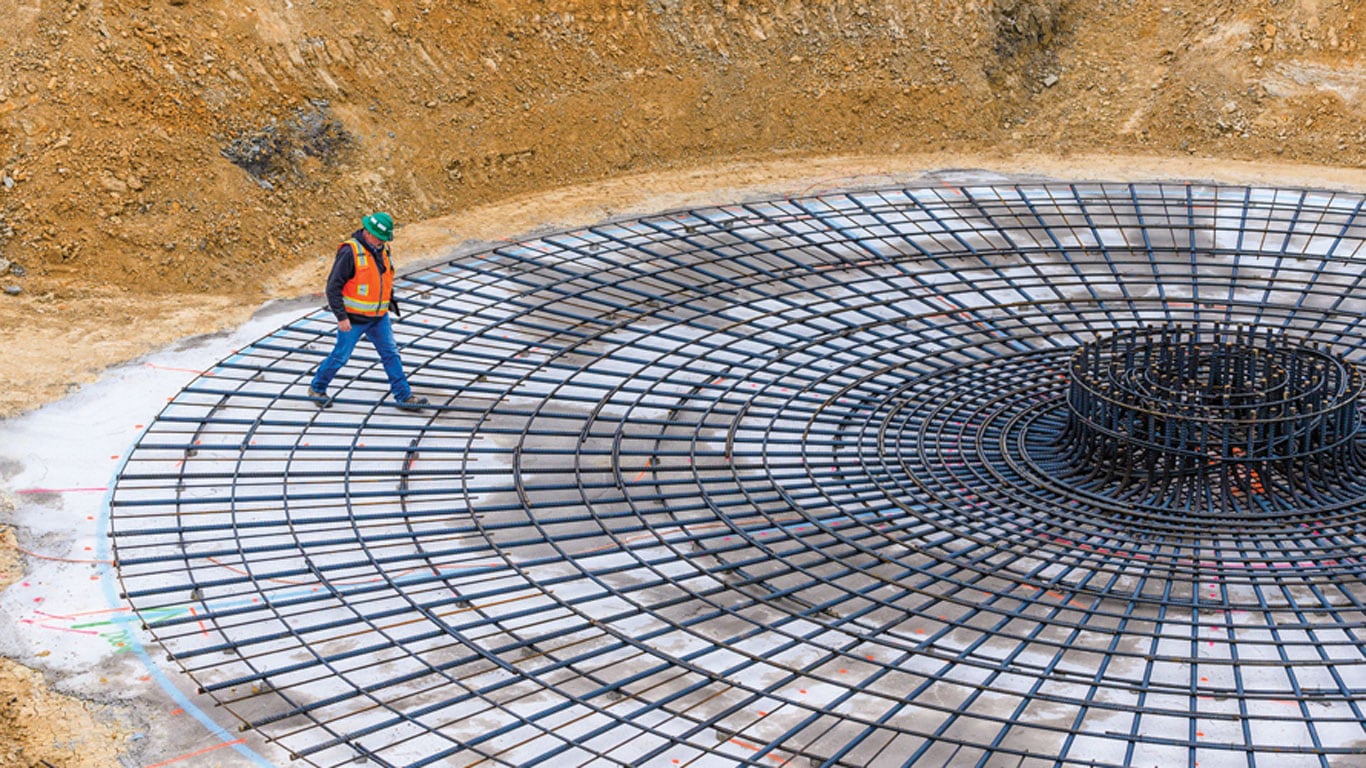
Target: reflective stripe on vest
(368, 292)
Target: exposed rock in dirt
(1024, 26)
(279, 150)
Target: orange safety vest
(368, 293)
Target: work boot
(319, 399)
(413, 403)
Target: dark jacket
(343, 269)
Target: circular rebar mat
(774, 483)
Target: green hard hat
(380, 225)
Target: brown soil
(167, 165)
(39, 727)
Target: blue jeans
(380, 333)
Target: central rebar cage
(1221, 421)
(784, 483)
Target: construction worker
(360, 295)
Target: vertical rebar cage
(1222, 420)
(991, 475)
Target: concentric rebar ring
(773, 483)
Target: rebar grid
(772, 483)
